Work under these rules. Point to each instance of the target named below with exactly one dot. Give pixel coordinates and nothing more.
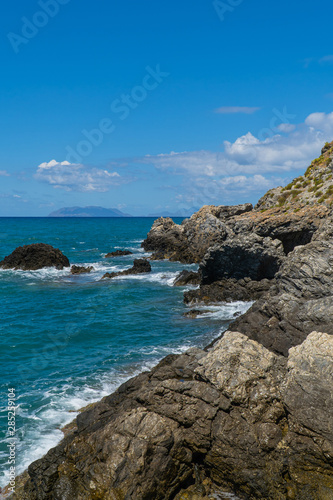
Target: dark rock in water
(35, 256)
(229, 290)
(118, 253)
(187, 278)
(140, 266)
(249, 256)
(194, 313)
(81, 269)
(237, 416)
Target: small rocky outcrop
(187, 278)
(140, 266)
(81, 269)
(237, 417)
(167, 241)
(35, 256)
(194, 313)
(118, 253)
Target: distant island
(88, 212)
(114, 212)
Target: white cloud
(286, 127)
(224, 110)
(248, 155)
(76, 177)
(326, 59)
(4, 173)
(247, 165)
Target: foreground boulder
(237, 417)
(35, 256)
(140, 266)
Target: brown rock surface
(234, 417)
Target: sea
(67, 341)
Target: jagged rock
(187, 278)
(140, 266)
(226, 212)
(248, 256)
(234, 417)
(292, 228)
(189, 241)
(229, 290)
(35, 256)
(81, 269)
(166, 239)
(300, 302)
(118, 253)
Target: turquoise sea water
(69, 340)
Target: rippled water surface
(69, 340)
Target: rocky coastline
(252, 413)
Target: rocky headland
(253, 412)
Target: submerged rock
(234, 417)
(140, 266)
(118, 253)
(194, 313)
(81, 269)
(35, 256)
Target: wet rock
(35, 256)
(81, 269)
(194, 313)
(140, 266)
(118, 253)
(187, 278)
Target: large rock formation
(33, 257)
(189, 241)
(237, 417)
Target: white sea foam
(222, 310)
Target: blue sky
(150, 106)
